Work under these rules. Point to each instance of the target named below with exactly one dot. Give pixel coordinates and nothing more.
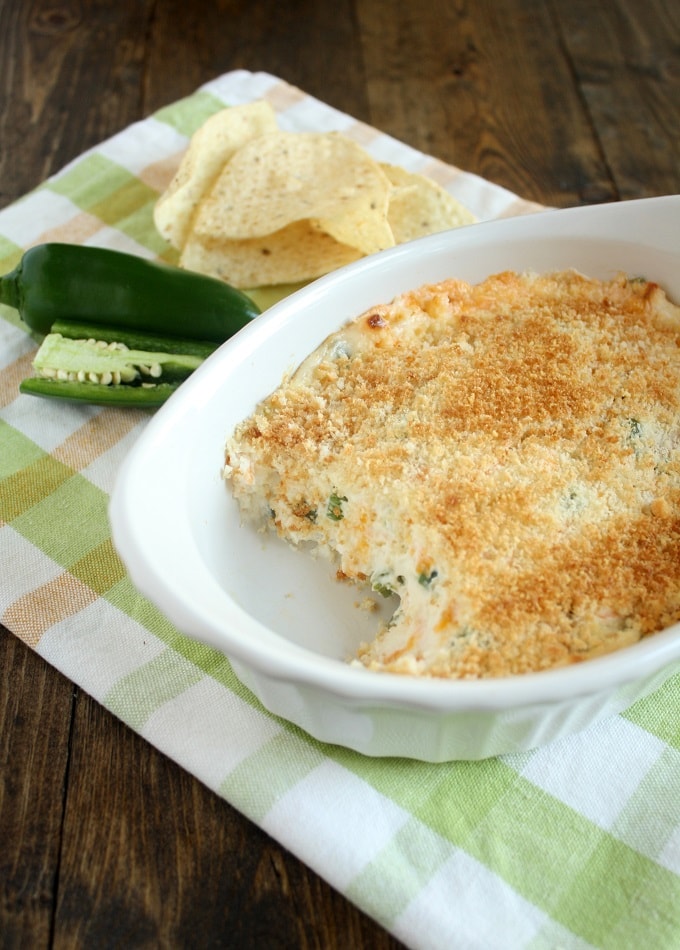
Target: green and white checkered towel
(574, 845)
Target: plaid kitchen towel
(573, 845)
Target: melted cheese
(504, 457)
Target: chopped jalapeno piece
(334, 509)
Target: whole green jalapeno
(119, 329)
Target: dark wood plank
(309, 44)
(70, 76)
(485, 86)
(35, 718)
(626, 59)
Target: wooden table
(103, 841)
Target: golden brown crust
(504, 456)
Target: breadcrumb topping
(503, 457)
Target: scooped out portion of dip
(503, 457)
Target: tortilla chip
(259, 207)
(296, 253)
(419, 206)
(285, 177)
(211, 147)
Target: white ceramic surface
(279, 616)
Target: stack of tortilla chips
(257, 206)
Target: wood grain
(105, 842)
(309, 44)
(475, 105)
(629, 80)
(71, 74)
(35, 720)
